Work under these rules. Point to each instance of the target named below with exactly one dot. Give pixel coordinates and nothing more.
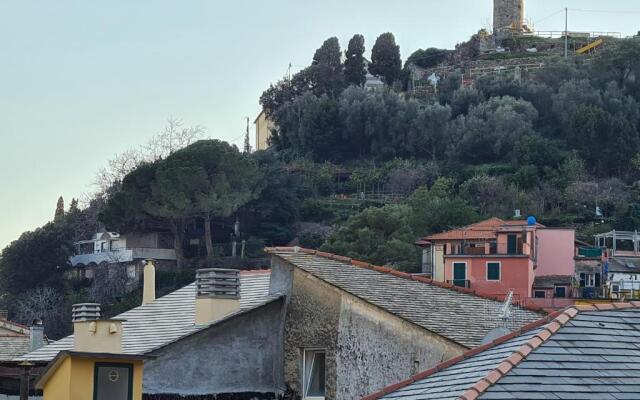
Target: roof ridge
(18, 326)
(552, 324)
(391, 271)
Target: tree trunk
(207, 238)
(177, 229)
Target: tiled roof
(14, 340)
(454, 313)
(584, 352)
(12, 346)
(549, 281)
(486, 229)
(169, 318)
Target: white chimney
(149, 283)
(217, 294)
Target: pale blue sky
(81, 81)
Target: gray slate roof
(13, 346)
(624, 265)
(595, 355)
(462, 318)
(169, 318)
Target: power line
(549, 16)
(605, 11)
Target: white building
(110, 248)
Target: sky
(82, 81)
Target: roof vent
(85, 312)
(218, 283)
(217, 295)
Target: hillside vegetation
(360, 173)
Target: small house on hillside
(124, 251)
(316, 325)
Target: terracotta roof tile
(555, 369)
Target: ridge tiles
(552, 324)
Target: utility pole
(566, 33)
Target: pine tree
(354, 68)
(385, 59)
(59, 215)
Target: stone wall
(366, 347)
(377, 349)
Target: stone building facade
(508, 17)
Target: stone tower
(508, 17)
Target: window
(493, 271)
(313, 379)
(460, 274)
(512, 244)
(131, 271)
(589, 280)
(561, 292)
(539, 294)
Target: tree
(208, 179)
(354, 65)
(37, 258)
(378, 235)
(438, 209)
(491, 129)
(273, 214)
(173, 137)
(385, 59)
(59, 214)
(329, 54)
(45, 304)
(428, 58)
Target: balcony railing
(123, 256)
(463, 283)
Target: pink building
(495, 256)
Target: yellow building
(263, 131)
(92, 376)
(95, 369)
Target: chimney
(217, 295)
(4, 315)
(36, 335)
(149, 283)
(93, 335)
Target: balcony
(109, 257)
(123, 256)
(463, 283)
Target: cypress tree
(354, 68)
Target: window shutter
(582, 279)
(597, 280)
